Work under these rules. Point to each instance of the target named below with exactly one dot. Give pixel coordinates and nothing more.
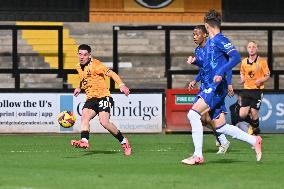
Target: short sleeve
(242, 71)
(99, 67)
(264, 67)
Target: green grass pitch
(49, 162)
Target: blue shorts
(215, 113)
(214, 97)
(197, 95)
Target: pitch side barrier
(179, 101)
(30, 112)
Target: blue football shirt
(216, 56)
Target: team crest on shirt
(88, 73)
(251, 74)
(84, 82)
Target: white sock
(223, 140)
(197, 132)
(85, 140)
(244, 126)
(237, 133)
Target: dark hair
(201, 28)
(213, 18)
(85, 47)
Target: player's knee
(254, 114)
(244, 111)
(208, 120)
(203, 120)
(193, 115)
(243, 116)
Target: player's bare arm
(117, 79)
(242, 79)
(260, 81)
(77, 91)
(124, 89)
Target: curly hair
(201, 28)
(213, 18)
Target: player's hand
(217, 78)
(192, 84)
(230, 90)
(191, 59)
(124, 90)
(258, 83)
(77, 91)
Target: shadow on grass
(92, 152)
(226, 161)
(214, 151)
(210, 150)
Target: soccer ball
(66, 119)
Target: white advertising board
(37, 113)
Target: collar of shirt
(248, 62)
(88, 63)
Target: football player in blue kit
(220, 56)
(200, 37)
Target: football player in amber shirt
(92, 74)
(254, 73)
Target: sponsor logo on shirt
(228, 45)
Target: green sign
(184, 99)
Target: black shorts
(99, 104)
(251, 98)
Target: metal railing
(63, 73)
(16, 71)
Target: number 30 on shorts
(105, 103)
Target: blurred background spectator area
(141, 52)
